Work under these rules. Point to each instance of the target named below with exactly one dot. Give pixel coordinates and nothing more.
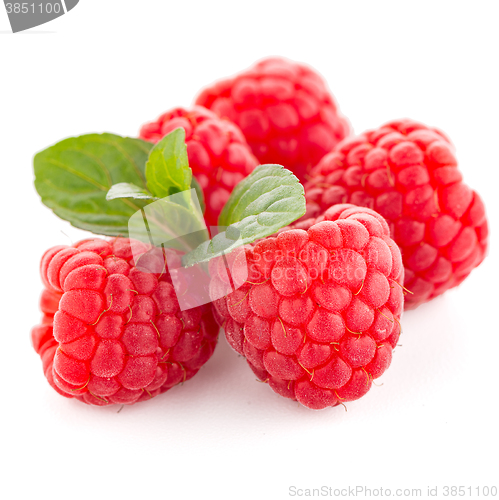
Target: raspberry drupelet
(112, 332)
(218, 153)
(408, 173)
(284, 109)
(317, 312)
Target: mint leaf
(167, 170)
(271, 197)
(128, 190)
(73, 177)
(270, 189)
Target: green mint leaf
(128, 190)
(269, 189)
(73, 178)
(271, 197)
(167, 170)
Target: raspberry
(112, 332)
(218, 153)
(285, 111)
(408, 173)
(318, 315)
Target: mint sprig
(108, 184)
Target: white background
(111, 65)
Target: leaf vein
(77, 173)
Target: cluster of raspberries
(314, 309)
(284, 113)
(112, 331)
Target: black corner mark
(26, 15)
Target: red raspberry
(408, 173)
(284, 109)
(218, 152)
(112, 332)
(317, 316)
